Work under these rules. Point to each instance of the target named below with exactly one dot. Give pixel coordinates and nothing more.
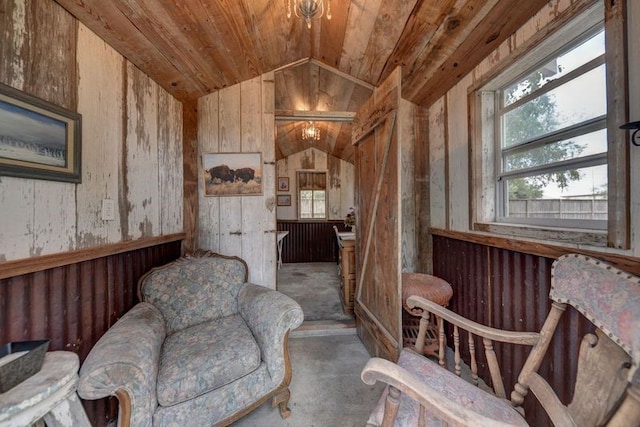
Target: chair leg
(282, 399)
(391, 407)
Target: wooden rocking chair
(607, 389)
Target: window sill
(574, 237)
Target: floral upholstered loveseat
(203, 348)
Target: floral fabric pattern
(203, 357)
(269, 314)
(451, 387)
(609, 297)
(204, 344)
(218, 404)
(194, 290)
(126, 357)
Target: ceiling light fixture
(310, 132)
(308, 9)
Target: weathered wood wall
(340, 182)
(240, 119)
(65, 274)
(131, 139)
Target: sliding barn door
(378, 245)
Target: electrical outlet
(108, 210)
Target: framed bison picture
(232, 174)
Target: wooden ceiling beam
(473, 42)
(342, 74)
(320, 116)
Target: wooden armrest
(463, 412)
(525, 338)
(549, 400)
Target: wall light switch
(108, 210)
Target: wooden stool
(428, 287)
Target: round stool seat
(426, 286)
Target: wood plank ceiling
(195, 47)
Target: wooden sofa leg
(282, 399)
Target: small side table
(49, 394)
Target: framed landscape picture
(232, 174)
(38, 139)
(284, 199)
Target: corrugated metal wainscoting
(73, 305)
(311, 241)
(510, 290)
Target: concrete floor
(326, 389)
(326, 356)
(316, 287)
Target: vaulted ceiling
(195, 47)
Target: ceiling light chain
(308, 9)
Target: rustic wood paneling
(190, 175)
(619, 217)
(239, 119)
(141, 155)
(194, 48)
(100, 70)
(39, 222)
(73, 305)
(439, 200)
(170, 174)
(407, 163)
(378, 141)
(208, 225)
(509, 290)
(457, 155)
(45, 52)
(422, 191)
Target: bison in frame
(222, 173)
(244, 174)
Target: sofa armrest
(270, 315)
(125, 360)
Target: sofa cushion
(189, 291)
(204, 357)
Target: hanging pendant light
(308, 9)
(310, 132)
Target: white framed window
(551, 139)
(312, 195)
(549, 160)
